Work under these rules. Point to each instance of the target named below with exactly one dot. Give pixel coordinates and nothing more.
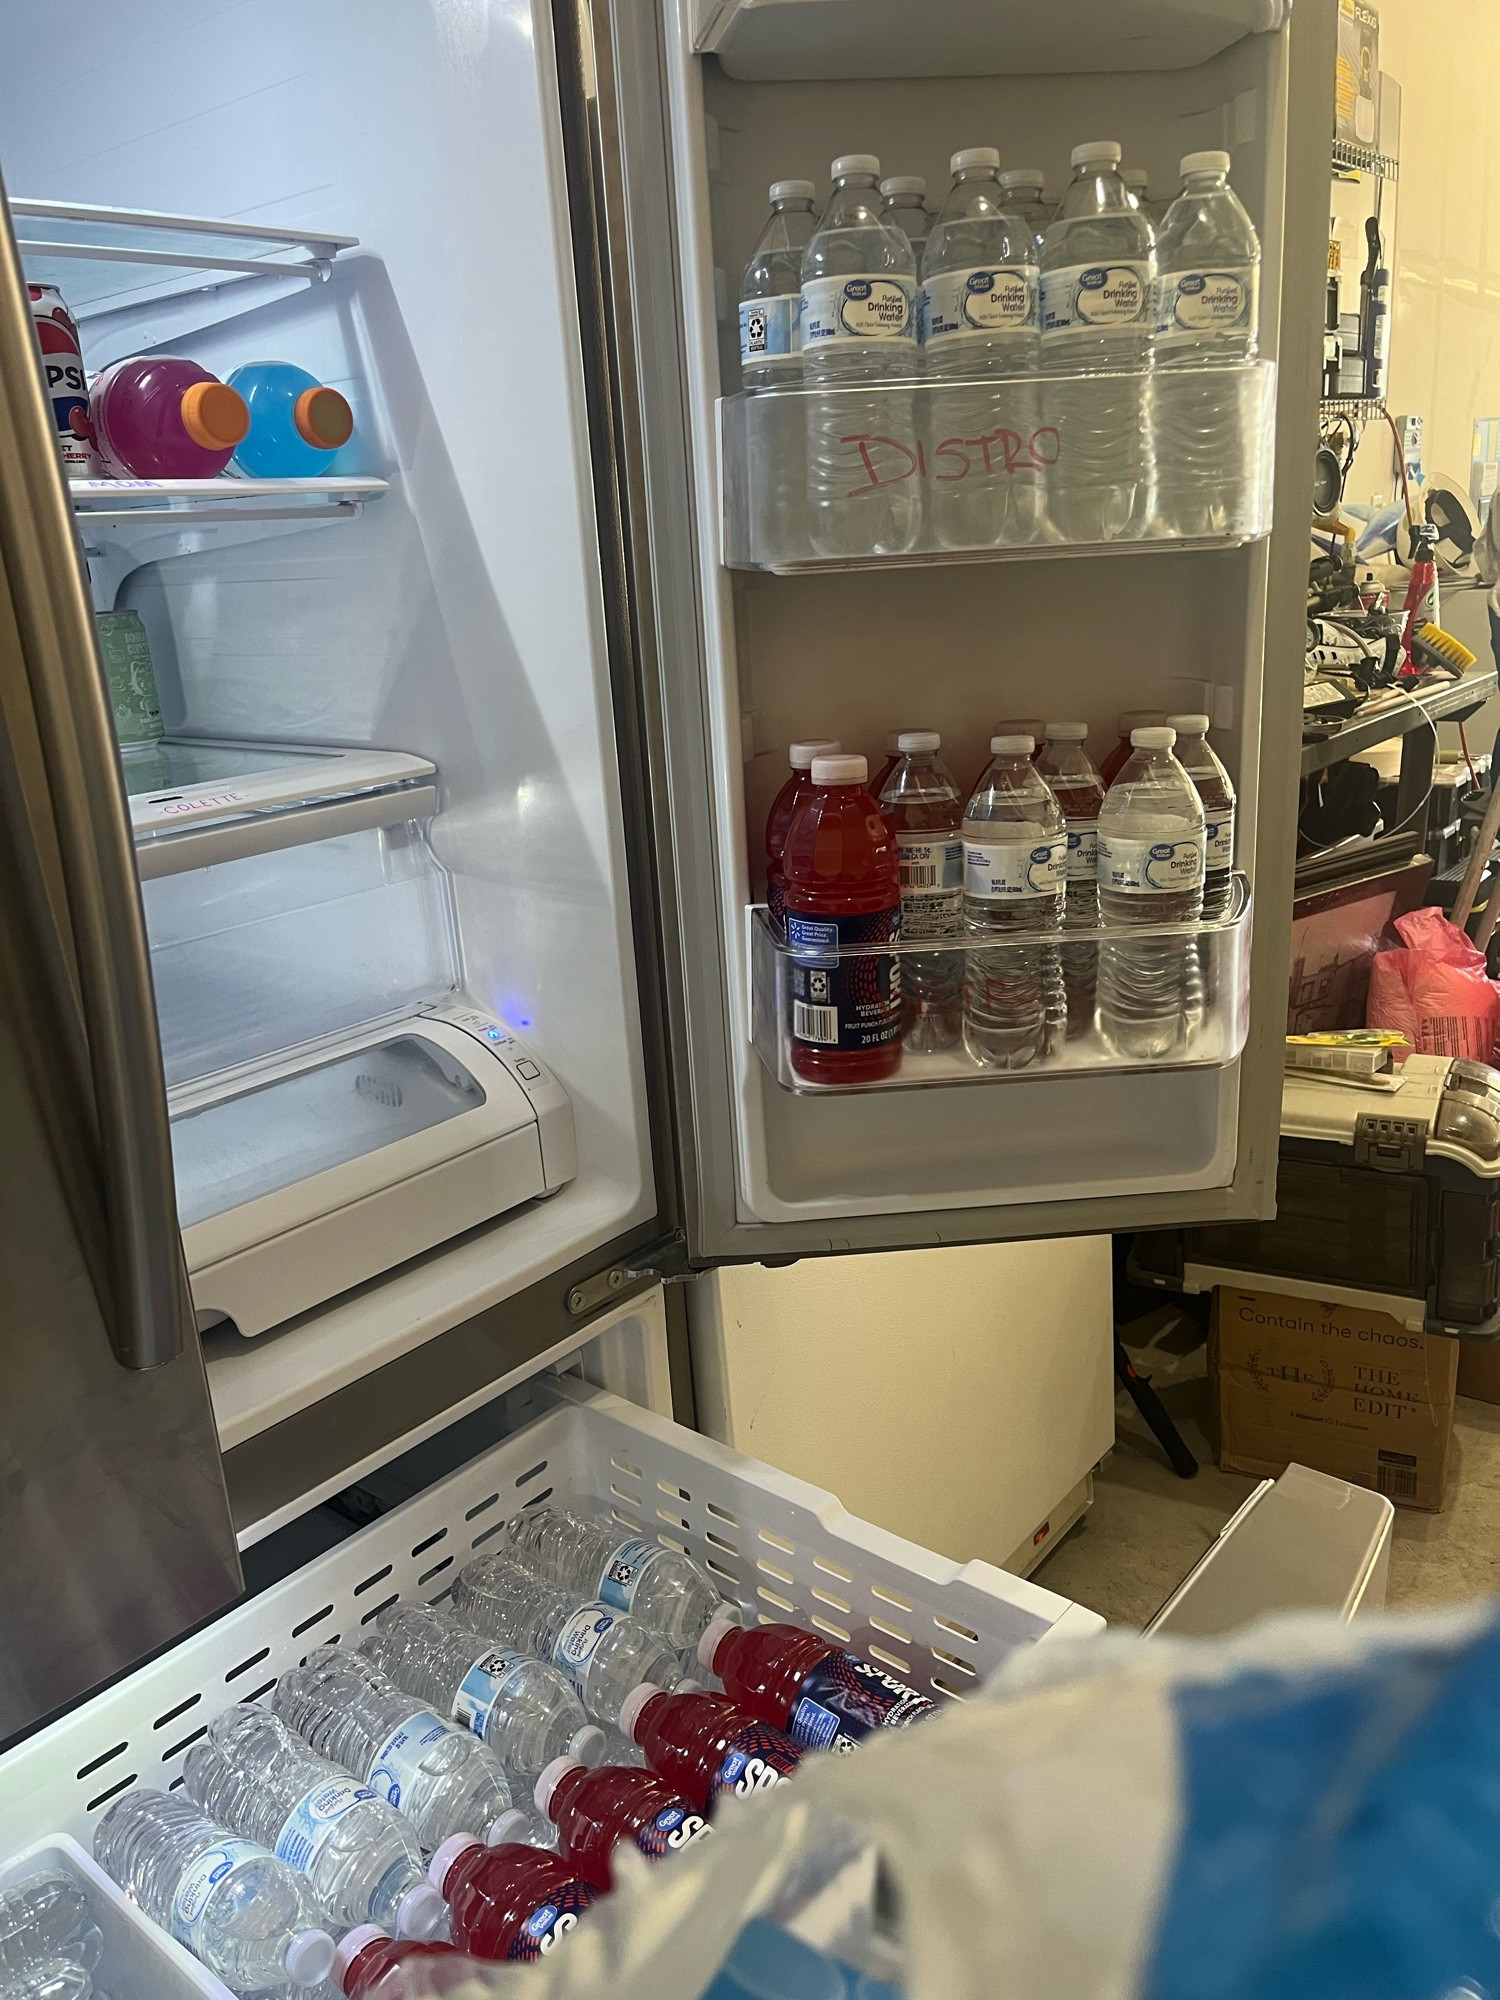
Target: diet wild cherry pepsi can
(67, 386)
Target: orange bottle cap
(323, 418)
(214, 415)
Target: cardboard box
(1357, 84)
(1479, 1370)
(1344, 1390)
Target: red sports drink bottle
(1120, 756)
(367, 1953)
(843, 887)
(825, 1698)
(784, 811)
(593, 1810)
(511, 1902)
(705, 1745)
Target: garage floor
(1147, 1527)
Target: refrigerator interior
(455, 617)
(955, 647)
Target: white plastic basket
(780, 1548)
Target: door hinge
(663, 1263)
(1389, 1145)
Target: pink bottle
(507, 1902)
(158, 416)
(807, 1685)
(594, 1810)
(367, 1953)
(706, 1746)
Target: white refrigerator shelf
(208, 503)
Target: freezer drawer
(776, 1546)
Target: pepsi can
(67, 386)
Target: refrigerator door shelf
(793, 986)
(937, 472)
(294, 1187)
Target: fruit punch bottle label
(845, 1003)
(1193, 303)
(1150, 867)
(879, 307)
(1112, 297)
(313, 1818)
(845, 1699)
(551, 1920)
(758, 1757)
(998, 299)
(674, 1827)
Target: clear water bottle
(1208, 307)
(361, 1859)
(1015, 863)
(45, 1917)
(661, 1587)
(51, 1979)
(442, 1777)
(979, 335)
(859, 287)
(1098, 322)
(1150, 872)
(251, 1919)
(1078, 789)
(1216, 789)
(1025, 190)
(924, 809)
(520, 1706)
(602, 1652)
(771, 290)
(903, 203)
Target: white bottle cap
(800, 755)
(310, 1955)
(1189, 725)
(839, 770)
(793, 191)
(903, 184)
(588, 1745)
(422, 1913)
(1067, 732)
(349, 1947)
(975, 156)
(687, 1685)
(855, 163)
(634, 1702)
(725, 1621)
(552, 1776)
(1204, 163)
(1012, 746)
(912, 742)
(443, 1859)
(1160, 738)
(1096, 153)
(1136, 178)
(510, 1825)
(1023, 177)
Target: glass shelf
(196, 503)
(1210, 962)
(926, 472)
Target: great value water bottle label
(200, 1879)
(1218, 834)
(878, 307)
(623, 1571)
(480, 1689)
(932, 885)
(579, 1640)
(1111, 297)
(312, 1820)
(1193, 303)
(770, 328)
(399, 1759)
(1150, 867)
(1083, 850)
(1006, 871)
(845, 1003)
(845, 1699)
(997, 298)
(674, 1827)
(551, 1920)
(757, 1758)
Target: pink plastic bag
(1436, 993)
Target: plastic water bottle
(1150, 872)
(1015, 867)
(1126, 723)
(251, 1919)
(442, 1777)
(823, 1697)
(360, 1857)
(158, 416)
(595, 1810)
(859, 287)
(979, 334)
(520, 1706)
(51, 1979)
(660, 1587)
(1078, 789)
(771, 290)
(1216, 789)
(903, 203)
(600, 1651)
(46, 1917)
(922, 806)
(510, 1902)
(707, 1745)
(1098, 323)
(297, 423)
(1025, 190)
(367, 1954)
(1208, 310)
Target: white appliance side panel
(954, 1396)
(461, 617)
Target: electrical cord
(1327, 847)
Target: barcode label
(1396, 1475)
(815, 1024)
(918, 875)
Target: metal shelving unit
(1352, 159)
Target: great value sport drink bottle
(367, 1953)
(595, 1810)
(825, 1698)
(511, 1902)
(706, 1745)
(784, 810)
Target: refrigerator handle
(149, 1308)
